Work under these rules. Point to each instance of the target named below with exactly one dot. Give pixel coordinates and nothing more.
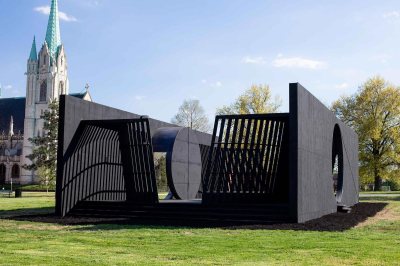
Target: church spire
(33, 54)
(53, 38)
(11, 133)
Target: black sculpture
(247, 162)
(264, 167)
(183, 160)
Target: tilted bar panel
(109, 160)
(248, 160)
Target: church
(46, 80)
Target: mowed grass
(376, 242)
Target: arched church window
(2, 148)
(43, 91)
(15, 171)
(2, 173)
(62, 88)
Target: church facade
(46, 80)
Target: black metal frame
(274, 164)
(246, 162)
(108, 160)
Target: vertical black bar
(279, 147)
(215, 185)
(257, 162)
(251, 171)
(293, 147)
(225, 175)
(60, 157)
(126, 159)
(268, 153)
(246, 155)
(207, 172)
(232, 157)
(273, 155)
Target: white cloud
(297, 62)
(139, 97)
(391, 15)
(93, 3)
(204, 81)
(63, 16)
(8, 87)
(254, 60)
(216, 84)
(342, 86)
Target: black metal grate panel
(246, 162)
(108, 160)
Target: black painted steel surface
(275, 164)
(313, 141)
(109, 160)
(183, 160)
(246, 164)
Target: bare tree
(191, 114)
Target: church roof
(53, 37)
(14, 107)
(33, 54)
(79, 95)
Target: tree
(160, 167)
(191, 114)
(374, 113)
(44, 152)
(255, 100)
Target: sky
(148, 56)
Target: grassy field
(374, 242)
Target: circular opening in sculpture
(337, 164)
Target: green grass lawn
(376, 242)
(380, 192)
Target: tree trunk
(377, 177)
(377, 183)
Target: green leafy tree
(192, 115)
(255, 100)
(161, 171)
(44, 152)
(374, 113)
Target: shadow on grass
(332, 222)
(7, 214)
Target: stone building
(46, 80)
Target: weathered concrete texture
(312, 126)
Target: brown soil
(362, 214)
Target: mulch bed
(332, 222)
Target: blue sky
(148, 56)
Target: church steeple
(33, 54)
(11, 132)
(53, 38)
